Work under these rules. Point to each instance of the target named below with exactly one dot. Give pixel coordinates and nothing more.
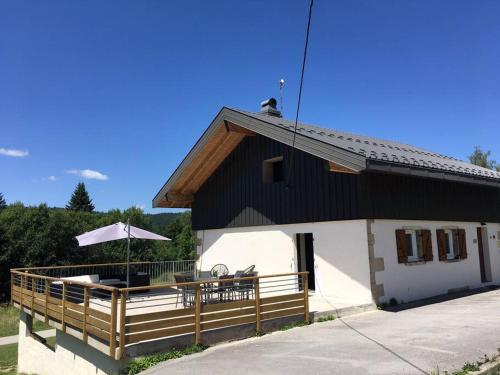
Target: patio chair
(207, 289)
(238, 274)
(246, 288)
(226, 289)
(204, 275)
(219, 270)
(249, 269)
(186, 292)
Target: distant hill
(160, 220)
(163, 219)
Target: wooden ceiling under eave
(224, 140)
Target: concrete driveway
(412, 341)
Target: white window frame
(453, 253)
(414, 246)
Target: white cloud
(52, 178)
(140, 206)
(13, 152)
(89, 174)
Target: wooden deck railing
(110, 318)
(65, 304)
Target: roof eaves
(417, 171)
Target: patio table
(208, 287)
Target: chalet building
(369, 219)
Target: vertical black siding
(235, 195)
(402, 197)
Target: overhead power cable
(304, 59)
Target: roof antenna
(282, 84)
(304, 58)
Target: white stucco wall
(412, 282)
(33, 357)
(71, 355)
(340, 247)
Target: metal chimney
(268, 107)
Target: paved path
(13, 339)
(412, 341)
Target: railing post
(32, 296)
(11, 288)
(47, 294)
(257, 305)
(21, 293)
(197, 315)
(63, 322)
(112, 333)
(305, 286)
(123, 317)
(85, 313)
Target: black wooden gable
(235, 195)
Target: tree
(181, 234)
(42, 236)
(482, 158)
(80, 200)
(3, 204)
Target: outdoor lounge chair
(74, 292)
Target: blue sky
(125, 88)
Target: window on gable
(273, 170)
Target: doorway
(484, 254)
(305, 256)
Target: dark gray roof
(379, 149)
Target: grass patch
(325, 318)
(286, 327)
(8, 356)
(51, 342)
(8, 359)
(9, 322)
(467, 368)
(140, 364)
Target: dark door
(305, 256)
(481, 254)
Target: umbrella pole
(128, 253)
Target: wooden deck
(109, 318)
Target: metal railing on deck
(111, 318)
(159, 272)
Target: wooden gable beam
(176, 197)
(212, 162)
(334, 167)
(230, 127)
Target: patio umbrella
(118, 231)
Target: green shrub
(286, 327)
(393, 302)
(467, 367)
(140, 364)
(326, 318)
